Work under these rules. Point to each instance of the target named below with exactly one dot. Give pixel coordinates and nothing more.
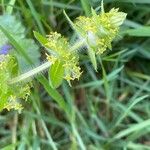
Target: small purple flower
(5, 49)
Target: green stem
(49, 137)
(78, 45)
(42, 67)
(30, 73)
(77, 135)
(3, 6)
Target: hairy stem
(42, 67)
(78, 45)
(30, 73)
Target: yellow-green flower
(60, 49)
(100, 30)
(10, 94)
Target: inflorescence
(61, 50)
(100, 30)
(10, 95)
(95, 33)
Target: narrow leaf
(52, 92)
(134, 128)
(40, 38)
(139, 32)
(70, 22)
(86, 7)
(92, 57)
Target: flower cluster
(61, 50)
(10, 94)
(95, 32)
(100, 30)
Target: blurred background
(104, 110)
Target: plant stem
(42, 67)
(14, 129)
(49, 137)
(77, 135)
(3, 6)
(30, 73)
(78, 45)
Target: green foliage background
(104, 110)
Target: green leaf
(40, 38)
(10, 7)
(32, 51)
(15, 43)
(3, 97)
(10, 147)
(74, 27)
(56, 74)
(13, 26)
(53, 93)
(35, 16)
(86, 7)
(92, 58)
(71, 23)
(13, 32)
(133, 128)
(13, 67)
(139, 32)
